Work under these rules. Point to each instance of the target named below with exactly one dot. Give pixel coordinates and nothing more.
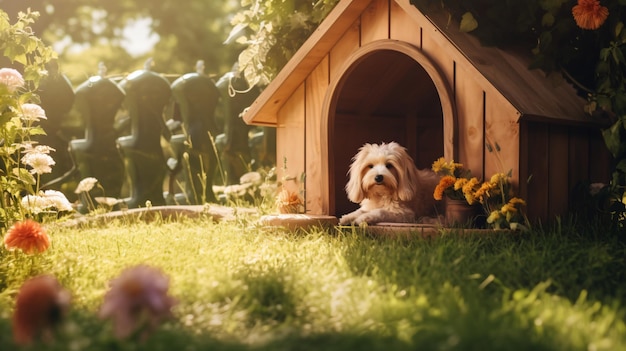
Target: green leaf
(25, 176)
(547, 20)
(618, 28)
(468, 23)
(611, 137)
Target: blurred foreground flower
(28, 236)
(39, 307)
(137, 301)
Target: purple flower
(137, 301)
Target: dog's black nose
(378, 178)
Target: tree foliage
(188, 31)
(272, 31)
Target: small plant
(497, 196)
(22, 161)
(288, 200)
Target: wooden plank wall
(290, 140)
(556, 159)
(316, 168)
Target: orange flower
(444, 183)
(588, 14)
(40, 305)
(28, 236)
(288, 201)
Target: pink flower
(40, 305)
(11, 78)
(137, 300)
(28, 236)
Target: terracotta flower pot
(460, 213)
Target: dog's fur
(385, 182)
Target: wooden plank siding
(402, 27)
(558, 158)
(469, 98)
(290, 140)
(316, 137)
(502, 128)
(375, 22)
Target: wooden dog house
(381, 70)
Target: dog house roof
(534, 95)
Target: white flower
(251, 177)
(43, 149)
(11, 78)
(58, 200)
(35, 204)
(49, 200)
(86, 185)
(107, 201)
(33, 112)
(136, 300)
(39, 162)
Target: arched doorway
(388, 91)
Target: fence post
(196, 97)
(147, 94)
(98, 100)
(236, 96)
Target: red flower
(588, 14)
(39, 307)
(28, 236)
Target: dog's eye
(370, 166)
(389, 166)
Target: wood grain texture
(375, 22)
(470, 108)
(290, 140)
(316, 140)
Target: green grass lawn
(244, 287)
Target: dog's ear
(408, 181)
(354, 187)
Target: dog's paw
(346, 220)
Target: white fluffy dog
(387, 185)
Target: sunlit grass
(244, 287)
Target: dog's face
(379, 170)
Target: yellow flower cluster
(443, 167)
(507, 214)
(454, 180)
(495, 195)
